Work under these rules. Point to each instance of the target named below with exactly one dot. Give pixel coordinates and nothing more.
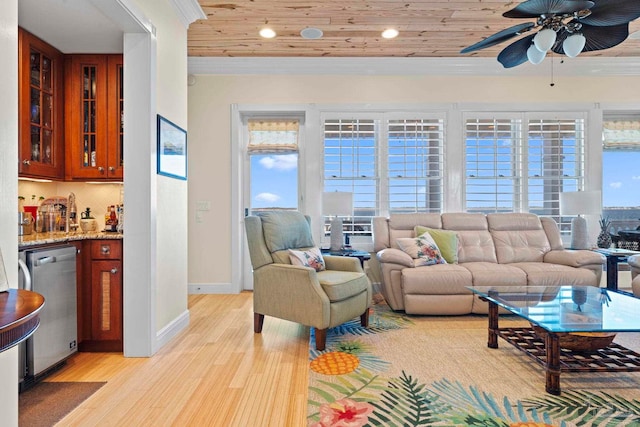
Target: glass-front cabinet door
(41, 104)
(94, 116)
(115, 133)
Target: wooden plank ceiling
(428, 28)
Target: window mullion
(382, 175)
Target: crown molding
(188, 11)
(593, 66)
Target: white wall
(9, 192)
(211, 97)
(171, 201)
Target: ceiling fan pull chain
(552, 84)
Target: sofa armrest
(395, 256)
(342, 263)
(634, 263)
(574, 258)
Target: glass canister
(25, 223)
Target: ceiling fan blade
(516, 53)
(598, 38)
(499, 37)
(612, 12)
(535, 8)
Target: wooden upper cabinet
(93, 119)
(40, 108)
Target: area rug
(438, 371)
(46, 403)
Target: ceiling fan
(566, 27)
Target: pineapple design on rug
(355, 381)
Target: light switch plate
(203, 205)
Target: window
(521, 163)
(621, 173)
(273, 164)
(391, 164)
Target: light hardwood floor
(216, 373)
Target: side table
(361, 255)
(614, 256)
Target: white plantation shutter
(415, 165)
(493, 164)
(555, 162)
(390, 163)
(522, 163)
(350, 165)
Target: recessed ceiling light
(311, 33)
(390, 33)
(267, 33)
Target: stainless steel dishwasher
(51, 272)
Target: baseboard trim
(212, 288)
(176, 326)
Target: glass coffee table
(557, 310)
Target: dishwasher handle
(53, 259)
(27, 275)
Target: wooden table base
(555, 359)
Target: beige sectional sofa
(493, 250)
(634, 264)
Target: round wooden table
(19, 316)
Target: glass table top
(568, 308)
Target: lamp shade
(534, 55)
(581, 203)
(545, 39)
(573, 45)
(337, 203)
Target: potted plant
(604, 238)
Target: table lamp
(580, 203)
(336, 204)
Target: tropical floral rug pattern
(353, 384)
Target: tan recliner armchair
(318, 299)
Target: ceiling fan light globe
(534, 55)
(545, 39)
(573, 45)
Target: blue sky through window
(621, 179)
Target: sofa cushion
(340, 285)
(309, 258)
(475, 243)
(440, 279)
(518, 237)
(545, 274)
(492, 274)
(401, 226)
(422, 249)
(446, 240)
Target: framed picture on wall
(172, 149)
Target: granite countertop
(35, 239)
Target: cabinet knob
(112, 169)
(114, 270)
(26, 162)
(100, 169)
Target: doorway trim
(239, 173)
